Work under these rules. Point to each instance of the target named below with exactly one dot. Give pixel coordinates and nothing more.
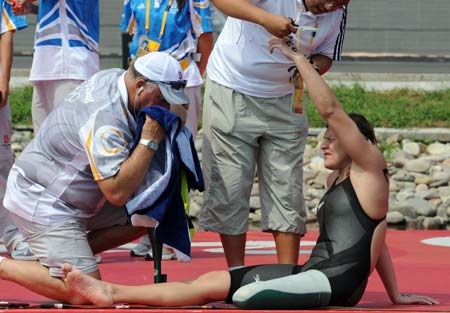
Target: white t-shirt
(85, 139)
(241, 60)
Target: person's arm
(321, 62)
(6, 48)
(361, 151)
(204, 47)
(277, 25)
(385, 269)
(119, 188)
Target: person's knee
(217, 283)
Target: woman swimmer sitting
(351, 244)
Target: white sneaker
(167, 254)
(141, 249)
(22, 252)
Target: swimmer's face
(333, 153)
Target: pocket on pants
(220, 107)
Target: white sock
(235, 267)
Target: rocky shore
(419, 165)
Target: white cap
(164, 69)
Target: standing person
(184, 30)
(351, 243)
(9, 234)
(65, 50)
(249, 121)
(181, 28)
(80, 169)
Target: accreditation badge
(146, 45)
(298, 96)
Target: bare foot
(96, 291)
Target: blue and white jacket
(66, 40)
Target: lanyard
(313, 35)
(164, 19)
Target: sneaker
(141, 249)
(167, 254)
(22, 252)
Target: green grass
(20, 102)
(397, 109)
(400, 108)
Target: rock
(255, 189)
(418, 165)
(399, 162)
(435, 203)
(406, 185)
(316, 164)
(308, 154)
(444, 193)
(403, 176)
(422, 179)
(403, 208)
(255, 217)
(404, 194)
(255, 202)
(428, 194)
(422, 207)
(433, 223)
(441, 176)
(393, 139)
(442, 213)
(394, 186)
(322, 178)
(421, 187)
(395, 218)
(412, 148)
(194, 209)
(437, 148)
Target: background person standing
(65, 50)
(9, 234)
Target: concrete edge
(420, 134)
(433, 134)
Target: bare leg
(111, 237)
(35, 277)
(288, 245)
(234, 248)
(212, 286)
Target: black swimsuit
(342, 251)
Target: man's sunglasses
(177, 84)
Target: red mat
(421, 259)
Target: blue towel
(162, 199)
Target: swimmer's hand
(410, 298)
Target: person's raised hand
(410, 298)
(279, 26)
(285, 46)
